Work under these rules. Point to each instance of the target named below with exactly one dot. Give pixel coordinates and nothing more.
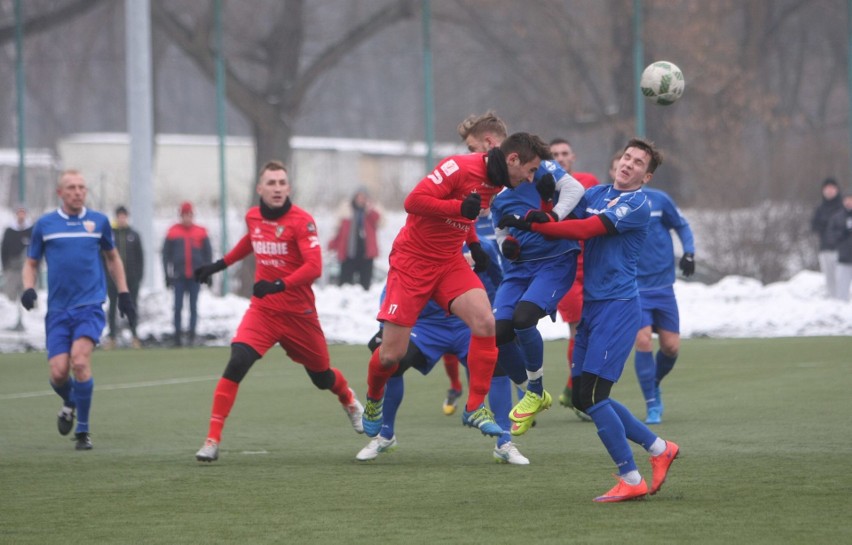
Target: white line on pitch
(129, 385)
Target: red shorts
(570, 307)
(412, 281)
(300, 335)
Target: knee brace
(323, 380)
(376, 341)
(505, 332)
(242, 358)
(526, 315)
(591, 390)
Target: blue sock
(664, 365)
(533, 349)
(511, 360)
(645, 372)
(394, 391)
(500, 401)
(634, 429)
(66, 392)
(83, 401)
(612, 434)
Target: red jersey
(586, 179)
(435, 229)
(287, 248)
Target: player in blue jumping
(71, 239)
(613, 219)
(536, 272)
(656, 277)
(436, 334)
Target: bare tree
(269, 79)
(44, 18)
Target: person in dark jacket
(840, 233)
(832, 203)
(186, 248)
(129, 246)
(16, 238)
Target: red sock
(570, 383)
(451, 366)
(223, 399)
(341, 387)
(377, 376)
(481, 359)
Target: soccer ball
(662, 83)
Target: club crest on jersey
(311, 227)
(279, 230)
(89, 226)
(449, 167)
(622, 211)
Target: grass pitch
(764, 427)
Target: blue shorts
(63, 327)
(659, 309)
(542, 283)
(605, 337)
(434, 339)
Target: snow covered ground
(733, 307)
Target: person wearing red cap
(187, 246)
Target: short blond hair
(477, 125)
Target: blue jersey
(656, 262)
(610, 261)
(488, 240)
(521, 200)
(71, 246)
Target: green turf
(764, 427)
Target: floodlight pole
(140, 126)
(638, 67)
(849, 87)
(19, 90)
(221, 125)
(428, 98)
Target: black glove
(511, 248)
(471, 205)
(511, 220)
(546, 187)
(126, 308)
(28, 298)
(203, 273)
(687, 264)
(169, 282)
(539, 216)
(480, 257)
(262, 288)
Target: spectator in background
(129, 247)
(840, 234)
(355, 241)
(16, 238)
(186, 248)
(831, 204)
